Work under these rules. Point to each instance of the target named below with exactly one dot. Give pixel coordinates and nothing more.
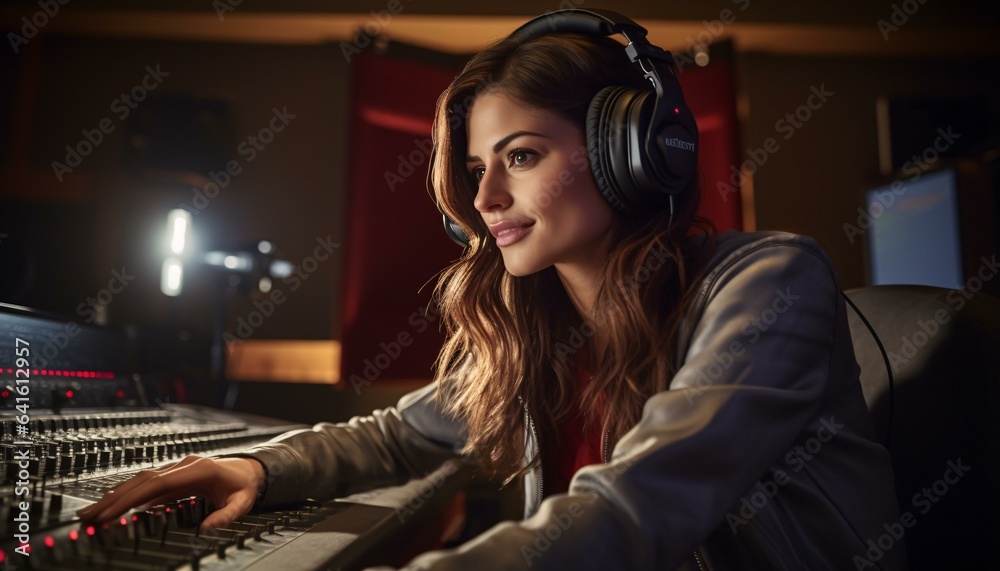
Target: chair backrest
(944, 349)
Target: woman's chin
(522, 268)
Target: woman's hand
(230, 484)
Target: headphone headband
(579, 21)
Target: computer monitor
(915, 231)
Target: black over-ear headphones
(643, 144)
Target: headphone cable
(888, 368)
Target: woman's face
(536, 192)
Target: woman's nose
(493, 193)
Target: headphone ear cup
(629, 173)
(598, 132)
(617, 124)
(455, 232)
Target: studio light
(172, 277)
(178, 240)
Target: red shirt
(578, 447)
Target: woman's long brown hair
(515, 341)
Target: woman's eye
(477, 174)
(520, 157)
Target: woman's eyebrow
(503, 143)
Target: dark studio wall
(286, 187)
(813, 183)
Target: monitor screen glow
(914, 238)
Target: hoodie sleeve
(757, 366)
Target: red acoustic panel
(395, 243)
(710, 92)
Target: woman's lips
(509, 231)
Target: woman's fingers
(231, 484)
(184, 478)
(236, 506)
(126, 486)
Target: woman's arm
(739, 402)
(387, 447)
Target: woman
(668, 398)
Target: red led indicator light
(69, 394)
(49, 542)
(120, 393)
(91, 530)
(74, 534)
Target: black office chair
(944, 347)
